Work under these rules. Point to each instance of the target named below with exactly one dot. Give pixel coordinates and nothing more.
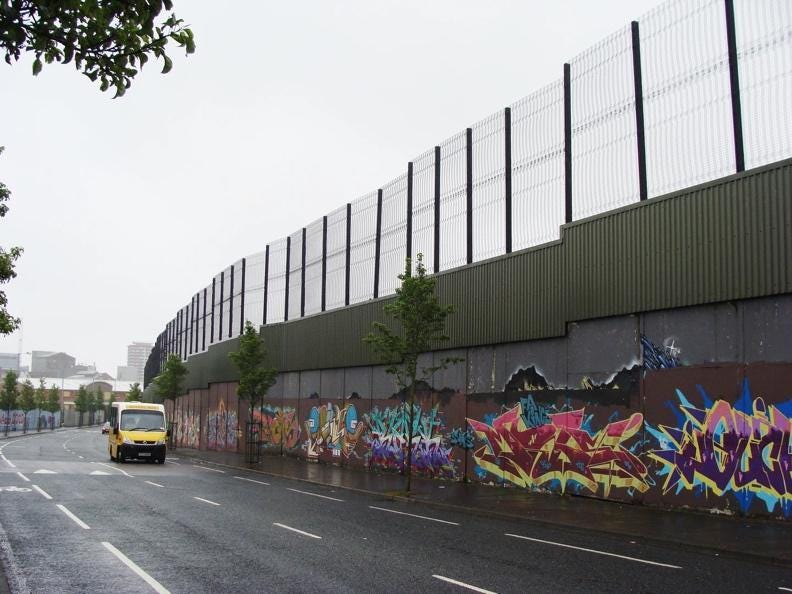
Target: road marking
(463, 584)
(22, 476)
(559, 544)
(156, 586)
(295, 530)
(81, 457)
(45, 471)
(155, 484)
(242, 478)
(77, 520)
(7, 461)
(207, 468)
(172, 462)
(785, 589)
(315, 494)
(13, 489)
(393, 511)
(40, 490)
(99, 473)
(205, 500)
(114, 468)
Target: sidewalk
(744, 538)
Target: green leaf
(168, 64)
(36, 66)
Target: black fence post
(324, 261)
(348, 264)
(437, 210)
(231, 304)
(640, 133)
(377, 240)
(734, 78)
(189, 334)
(222, 295)
(409, 210)
(302, 276)
(567, 144)
(211, 330)
(469, 192)
(288, 275)
(266, 285)
(197, 320)
(203, 331)
(507, 175)
(242, 300)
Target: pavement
(755, 539)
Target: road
(76, 522)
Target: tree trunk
(410, 420)
(24, 423)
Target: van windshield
(142, 420)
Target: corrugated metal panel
(726, 240)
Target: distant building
(51, 364)
(127, 373)
(9, 362)
(137, 355)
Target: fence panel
(295, 275)
(489, 186)
(276, 283)
(604, 147)
(687, 97)
(764, 49)
(363, 245)
(538, 167)
(393, 245)
(423, 207)
(313, 267)
(453, 202)
(335, 283)
(255, 265)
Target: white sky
(125, 208)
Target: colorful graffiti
(655, 357)
(332, 428)
(16, 420)
(279, 426)
(528, 451)
(222, 425)
(744, 449)
(189, 430)
(389, 434)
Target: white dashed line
(205, 500)
(155, 484)
(559, 544)
(23, 477)
(295, 530)
(81, 457)
(40, 490)
(172, 462)
(136, 568)
(77, 520)
(463, 584)
(7, 461)
(393, 511)
(315, 494)
(242, 478)
(116, 469)
(207, 468)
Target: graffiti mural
(15, 420)
(222, 424)
(532, 447)
(389, 433)
(719, 448)
(278, 425)
(656, 357)
(189, 429)
(329, 427)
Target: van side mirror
(167, 433)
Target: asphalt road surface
(72, 521)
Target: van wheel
(120, 457)
(112, 458)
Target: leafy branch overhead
(255, 378)
(8, 323)
(109, 41)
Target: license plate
(144, 454)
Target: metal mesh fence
(691, 115)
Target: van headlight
(128, 441)
(160, 442)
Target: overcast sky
(287, 110)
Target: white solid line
(242, 478)
(205, 500)
(155, 484)
(785, 589)
(393, 511)
(314, 494)
(172, 462)
(207, 468)
(114, 468)
(463, 584)
(559, 544)
(77, 520)
(40, 490)
(295, 530)
(22, 476)
(7, 461)
(157, 587)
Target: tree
(41, 401)
(81, 402)
(421, 321)
(98, 402)
(168, 384)
(108, 41)
(8, 323)
(8, 396)
(53, 403)
(27, 400)
(134, 393)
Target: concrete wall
(687, 407)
